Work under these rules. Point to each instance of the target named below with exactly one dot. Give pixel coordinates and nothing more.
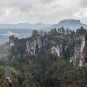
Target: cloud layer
(46, 11)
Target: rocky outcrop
(78, 58)
(34, 44)
(64, 45)
(56, 50)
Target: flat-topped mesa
(70, 21)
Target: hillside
(57, 58)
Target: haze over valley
(24, 30)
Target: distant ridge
(68, 23)
(24, 26)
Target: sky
(45, 11)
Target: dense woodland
(42, 69)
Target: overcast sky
(45, 11)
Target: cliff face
(33, 44)
(57, 45)
(56, 50)
(71, 46)
(78, 58)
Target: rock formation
(64, 45)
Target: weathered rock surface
(64, 45)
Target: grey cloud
(46, 1)
(47, 11)
(83, 3)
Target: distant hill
(69, 23)
(24, 26)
